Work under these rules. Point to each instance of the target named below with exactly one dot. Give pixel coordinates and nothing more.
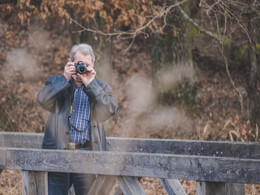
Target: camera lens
(81, 68)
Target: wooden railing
(217, 166)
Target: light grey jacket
(57, 96)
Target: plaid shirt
(80, 116)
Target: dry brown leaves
(10, 182)
(134, 14)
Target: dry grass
(10, 182)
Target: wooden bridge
(217, 166)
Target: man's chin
(77, 79)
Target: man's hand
(88, 77)
(69, 70)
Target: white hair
(83, 48)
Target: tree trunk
(172, 51)
(102, 48)
(100, 44)
(253, 74)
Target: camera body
(81, 68)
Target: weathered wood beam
(172, 186)
(165, 146)
(21, 140)
(71, 190)
(234, 188)
(102, 185)
(170, 166)
(210, 188)
(117, 191)
(130, 185)
(218, 188)
(34, 182)
(186, 147)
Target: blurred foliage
(6, 121)
(115, 13)
(237, 53)
(225, 18)
(183, 95)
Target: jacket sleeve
(48, 95)
(104, 104)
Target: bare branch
(238, 21)
(231, 80)
(198, 27)
(131, 33)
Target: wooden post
(117, 191)
(102, 185)
(235, 188)
(172, 186)
(71, 190)
(130, 185)
(210, 188)
(219, 188)
(35, 182)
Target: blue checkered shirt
(80, 116)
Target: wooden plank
(108, 185)
(117, 191)
(210, 188)
(235, 189)
(172, 186)
(102, 185)
(218, 169)
(71, 190)
(34, 183)
(130, 185)
(22, 140)
(186, 147)
(219, 188)
(165, 146)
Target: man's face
(87, 59)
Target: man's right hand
(69, 70)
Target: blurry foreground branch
(165, 10)
(198, 27)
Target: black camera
(81, 68)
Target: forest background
(179, 69)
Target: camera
(81, 68)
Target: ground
(28, 56)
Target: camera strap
(71, 125)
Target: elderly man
(78, 104)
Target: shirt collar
(74, 85)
